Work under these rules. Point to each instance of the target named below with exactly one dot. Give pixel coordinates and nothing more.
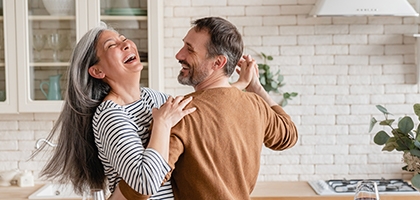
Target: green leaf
(387, 122)
(286, 95)
(390, 146)
(417, 136)
(269, 57)
(381, 138)
(280, 78)
(415, 152)
(293, 94)
(373, 121)
(263, 55)
(415, 181)
(284, 103)
(416, 108)
(273, 84)
(417, 144)
(382, 109)
(263, 80)
(406, 124)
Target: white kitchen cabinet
(27, 63)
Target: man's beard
(195, 76)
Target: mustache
(183, 62)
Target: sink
(55, 191)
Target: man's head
(212, 43)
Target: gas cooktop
(346, 187)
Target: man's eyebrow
(188, 44)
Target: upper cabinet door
(8, 57)
(37, 38)
(47, 34)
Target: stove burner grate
(384, 185)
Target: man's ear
(220, 62)
(95, 72)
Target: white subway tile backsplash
(367, 49)
(227, 11)
(279, 40)
(280, 20)
(298, 169)
(366, 29)
(260, 31)
(9, 145)
(334, 169)
(262, 10)
(385, 39)
(331, 29)
(331, 49)
(296, 30)
(401, 29)
(198, 3)
(297, 50)
(350, 159)
(191, 11)
(317, 159)
(315, 39)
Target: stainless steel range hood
(328, 8)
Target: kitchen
(341, 67)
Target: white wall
(341, 67)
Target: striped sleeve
(143, 169)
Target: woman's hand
(164, 118)
(172, 111)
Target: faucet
(39, 141)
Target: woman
(103, 129)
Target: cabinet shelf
(118, 18)
(49, 17)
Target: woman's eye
(111, 45)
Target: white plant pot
(59, 7)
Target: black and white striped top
(121, 134)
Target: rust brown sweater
(215, 151)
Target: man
(215, 151)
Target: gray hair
(75, 159)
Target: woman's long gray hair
(75, 158)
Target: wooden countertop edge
(273, 190)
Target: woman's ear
(220, 62)
(95, 72)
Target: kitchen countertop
(276, 190)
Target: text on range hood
(325, 8)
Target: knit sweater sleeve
(142, 168)
(281, 132)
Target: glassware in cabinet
(52, 30)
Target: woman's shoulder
(107, 107)
(156, 96)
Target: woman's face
(118, 57)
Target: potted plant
(405, 137)
(272, 82)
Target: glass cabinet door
(8, 69)
(52, 36)
(48, 32)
